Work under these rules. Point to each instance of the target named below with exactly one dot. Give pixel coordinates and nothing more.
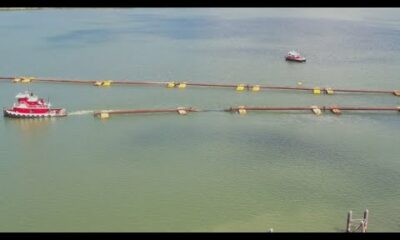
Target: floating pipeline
(315, 109)
(242, 110)
(182, 85)
(107, 113)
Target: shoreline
(19, 8)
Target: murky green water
(212, 171)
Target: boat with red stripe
(294, 57)
(29, 105)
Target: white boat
(295, 56)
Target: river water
(211, 171)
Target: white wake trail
(81, 112)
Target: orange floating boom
(234, 109)
(211, 85)
(363, 91)
(364, 108)
(248, 86)
(65, 81)
(287, 88)
(188, 109)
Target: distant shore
(18, 8)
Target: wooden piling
(348, 225)
(365, 220)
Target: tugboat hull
(52, 113)
(294, 57)
(295, 60)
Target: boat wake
(81, 112)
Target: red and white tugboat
(31, 106)
(295, 56)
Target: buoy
(299, 83)
(256, 88)
(317, 91)
(329, 91)
(26, 79)
(242, 110)
(181, 111)
(104, 115)
(171, 85)
(106, 83)
(316, 110)
(240, 87)
(336, 110)
(396, 92)
(182, 85)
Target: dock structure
(184, 84)
(357, 225)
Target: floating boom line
(182, 85)
(179, 110)
(315, 109)
(243, 110)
